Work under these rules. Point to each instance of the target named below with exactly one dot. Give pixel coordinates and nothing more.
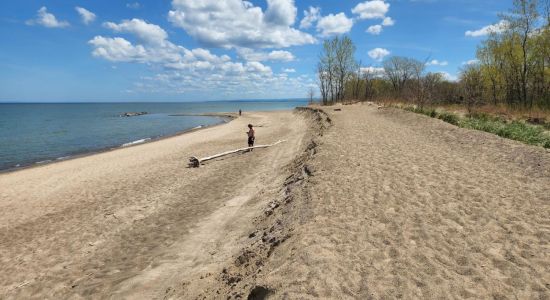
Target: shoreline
(299, 220)
(224, 117)
(131, 223)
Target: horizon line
(145, 101)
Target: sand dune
(399, 205)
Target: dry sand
(392, 204)
(362, 203)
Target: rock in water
(133, 114)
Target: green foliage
(515, 130)
(449, 118)
(430, 112)
(519, 131)
(514, 62)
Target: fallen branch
(195, 162)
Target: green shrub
(430, 112)
(481, 116)
(449, 118)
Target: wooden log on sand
(195, 162)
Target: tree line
(512, 68)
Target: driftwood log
(195, 162)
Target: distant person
(240, 112)
(251, 136)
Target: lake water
(38, 133)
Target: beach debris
(337, 109)
(195, 162)
(133, 114)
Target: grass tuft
(449, 118)
(515, 130)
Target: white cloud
(146, 32)
(378, 53)
(448, 76)
(117, 49)
(254, 66)
(375, 9)
(183, 71)
(375, 29)
(334, 24)
(237, 23)
(470, 62)
(280, 12)
(376, 71)
(46, 19)
(436, 62)
(495, 28)
(134, 5)
(281, 55)
(388, 21)
(310, 16)
(275, 55)
(289, 70)
(204, 54)
(155, 48)
(86, 15)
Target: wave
(43, 162)
(136, 142)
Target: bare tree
(336, 65)
(368, 77)
(357, 81)
(345, 64)
(323, 82)
(417, 87)
(311, 95)
(471, 80)
(399, 70)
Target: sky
(191, 50)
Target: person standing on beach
(251, 136)
(240, 112)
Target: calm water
(38, 133)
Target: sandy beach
(134, 221)
(362, 203)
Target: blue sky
(188, 50)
